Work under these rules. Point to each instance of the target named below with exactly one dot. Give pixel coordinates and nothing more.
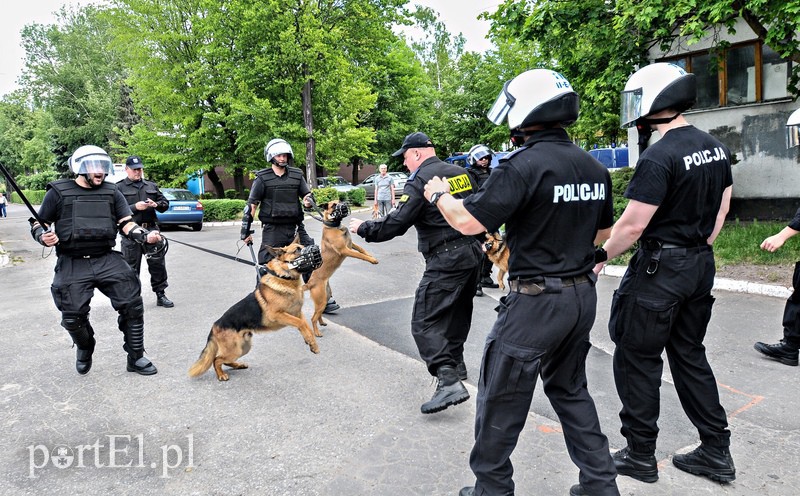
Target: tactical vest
(87, 223)
(280, 204)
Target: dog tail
(206, 357)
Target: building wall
(766, 176)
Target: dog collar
(330, 223)
(273, 273)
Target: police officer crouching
(88, 212)
(543, 324)
(144, 199)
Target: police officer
(679, 196)
(442, 313)
(479, 159)
(785, 351)
(555, 200)
(144, 199)
(87, 213)
(277, 189)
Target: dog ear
(296, 239)
(275, 252)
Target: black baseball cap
(133, 162)
(414, 140)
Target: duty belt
(539, 285)
(451, 245)
(657, 247)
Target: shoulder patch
(403, 199)
(460, 183)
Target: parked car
(461, 159)
(336, 182)
(184, 209)
(368, 184)
(612, 158)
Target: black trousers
(157, 266)
(547, 335)
(442, 314)
(280, 235)
(670, 310)
(791, 312)
(75, 280)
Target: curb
(722, 284)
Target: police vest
(86, 223)
(280, 203)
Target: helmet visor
(501, 106)
(631, 107)
(95, 164)
(792, 135)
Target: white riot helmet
(478, 152)
(538, 96)
(90, 159)
(276, 147)
(654, 88)
(793, 129)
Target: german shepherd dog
(337, 244)
(277, 302)
(497, 251)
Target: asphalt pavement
(346, 421)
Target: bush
(619, 183)
(37, 181)
(357, 196)
(221, 210)
(34, 196)
(231, 194)
(324, 195)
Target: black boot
(640, 466)
(578, 490)
(461, 369)
(163, 301)
(781, 352)
(714, 462)
(467, 491)
(131, 323)
(83, 336)
(331, 306)
(479, 291)
(84, 342)
(449, 391)
(487, 282)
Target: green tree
(597, 44)
(71, 73)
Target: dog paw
(223, 377)
(314, 349)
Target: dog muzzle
(340, 211)
(309, 260)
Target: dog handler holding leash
(87, 213)
(277, 190)
(556, 202)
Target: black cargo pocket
(641, 323)
(511, 369)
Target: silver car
(368, 184)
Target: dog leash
(223, 255)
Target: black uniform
(791, 312)
(664, 300)
(553, 198)
(136, 191)
(442, 313)
(280, 210)
(86, 225)
(481, 174)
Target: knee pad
(132, 310)
(74, 321)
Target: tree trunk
(219, 189)
(355, 162)
(308, 120)
(238, 180)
